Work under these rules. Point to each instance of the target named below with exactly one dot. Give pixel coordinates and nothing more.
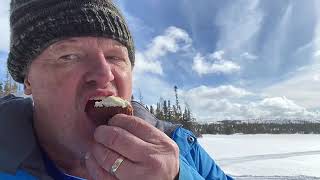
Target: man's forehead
(80, 41)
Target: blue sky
(240, 59)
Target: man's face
(62, 80)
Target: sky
(244, 59)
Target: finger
(95, 171)
(106, 158)
(122, 142)
(138, 127)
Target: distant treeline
(232, 127)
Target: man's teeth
(97, 98)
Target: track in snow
(276, 178)
(228, 161)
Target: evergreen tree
(159, 112)
(14, 88)
(165, 110)
(176, 94)
(187, 120)
(174, 114)
(177, 110)
(169, 111)
(7, 87)
(152, 110)
(1, 90)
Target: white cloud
(229, 102)
(316, 36)
(240, 21)
(143, 64)
(270, 108)
(317, 54)
(278, 41)
(280, 103)
(248, 56)
(172, 41)
(136, 25)
(4, 25)
(301, 86)
(217, 55)
(281, 107)
(213, 64)
(224, 91)
(316, 77)
(152, 88)
(243, 42)
(214, 102)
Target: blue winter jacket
(22, 159)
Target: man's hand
(148, 153)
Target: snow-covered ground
(294, 156)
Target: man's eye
(70, 57)
(113, 58)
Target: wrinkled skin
(61, 80)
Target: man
(66, 52)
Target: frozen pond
(266, 155)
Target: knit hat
(36, 24)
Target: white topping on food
(110, 101)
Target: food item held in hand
(102, 109)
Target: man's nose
(100, 72)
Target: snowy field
(268, 156)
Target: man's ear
(27, 86)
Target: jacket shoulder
(16, 136)
(20, 175)
(11, 103)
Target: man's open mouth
(103, 108)
(99, 115)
